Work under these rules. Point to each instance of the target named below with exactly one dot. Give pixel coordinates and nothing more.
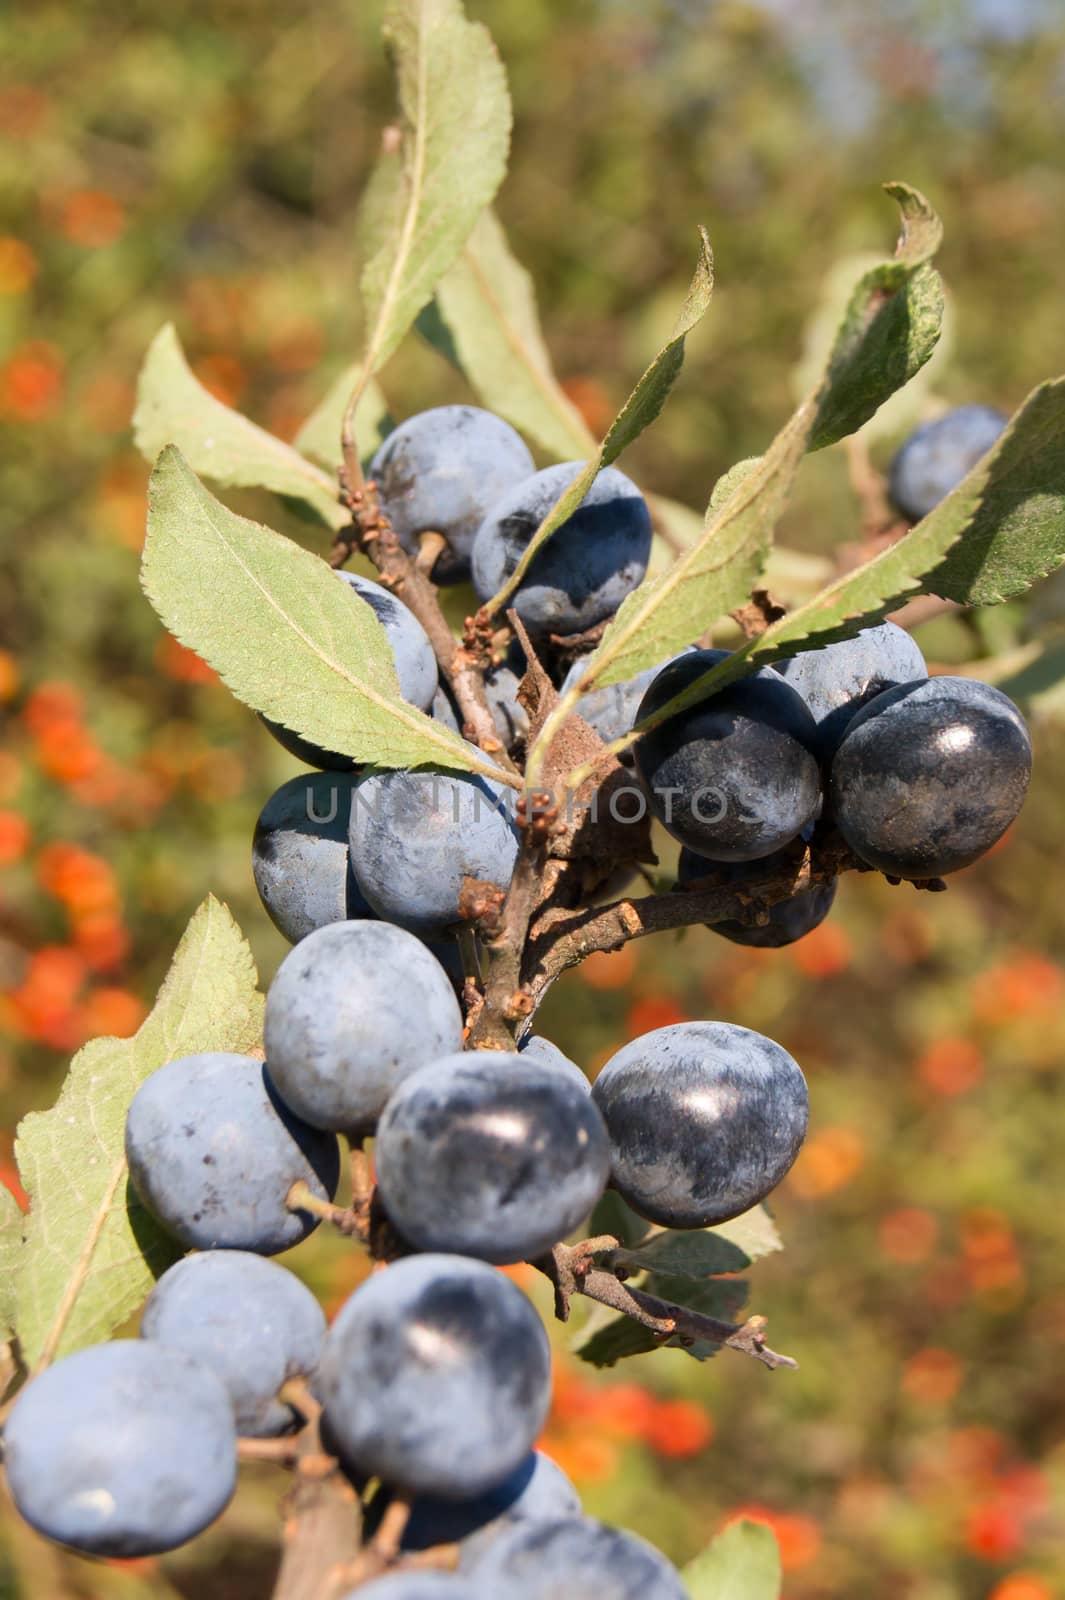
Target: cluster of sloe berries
(434, 1378)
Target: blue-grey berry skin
(412, 655)
(351, 1011)
(123, 1449)
(251, 1321)
(589, 565)
(443, 710)
(213, 1153)
(441, 471)
(534, 1047)
(537, 1490)
(610, 711)
(789, 920)
(704, 1118)
(490, 1154)
(420, 1586)
(937, 456)
(509, 715)
(416, 836)
(930, 775)
(436, 1376)
(299, 855)
(837, 680)
(564, 1559)
(735, 777)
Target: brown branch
(321, 1525)
(675, 1321)
(373, 532)
(563, 938)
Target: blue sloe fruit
(558, 1560)
(341, 1031)
(588, 566)
(735, 777)
(436, 1376)
(299, 855)
(537, 1490)
(837, 680)
(704, 1118)
(490, 1154)
(414, 661)
(123, 1449)
(938, 455)
(929, 775)
(251, 1321)
(415, 837)
(534, 1047)
(213, 1153)
(420, 1586)
(789, 920)
(440, 471)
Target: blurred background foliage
(202, 163)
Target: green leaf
(12, 1233)
(685, 1255)
(621, 1337)
(320, 434)
(173, 407)
(703, 1253)
(889, 329)
(1000, 530)
(487, 307)
(429, 190)
(92, 1253)
(743, 1563)
(754, 1232)
(716, 575)
(641, 409)
(283, 631)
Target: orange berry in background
(932, 1377)
(9, 677)
(50, 703)
(626, 1410)
(824, 953)
(585, 1457)
(951, 1065)
(114, 1012)
(91, 217)
(654, 1011)
(14, 837)
(1025, 985)
(31, 382)
(103, 940)
(18, 266)
(798, 1537)
(223, 376)
(181, 664)
(609, 969)
(908, 1235)
(679, 1428)
(1022, 1586)
(993, 1531)
(592, 401)
(829, 1159)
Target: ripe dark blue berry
(436, 1377)
(123, 1449)
(251, 1321)
(735, 777)
(299, 855)
(490, 1154)
(837, 680)
(937, 456)
(213, 1153)
(704, 1118)
(557, 1560)
(589, 565)
(930, 775)
(440, 472)
(341, 1031)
